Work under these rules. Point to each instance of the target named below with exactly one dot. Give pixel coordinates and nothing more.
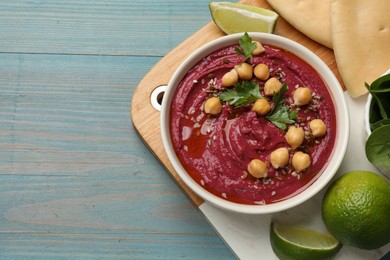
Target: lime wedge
(293, 242)
(235, 18)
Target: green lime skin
(298, 243)
(356, 210)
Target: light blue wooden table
(76, 182)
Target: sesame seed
(191, 111)
(261, 202)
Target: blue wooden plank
(113, 246)
(116, 27)
(75, 179)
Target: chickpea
(279, 158)
(213, 106)
(230, 78)
(295, 137)
(271, 86)
(317, 127)
(258, 169)
(261, 71)
(259, 48)
(302, 96)
(244, 70)
(261, 107)
(300, 161)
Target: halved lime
(235, 18)
(294, 242)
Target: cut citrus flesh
(236, 18)
(294, 242)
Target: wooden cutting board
(146, 119)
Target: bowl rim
(342, 122)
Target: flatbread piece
(361, 41)
(311, 17)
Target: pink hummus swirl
(215, 150)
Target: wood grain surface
(146, 118)
(76, 181)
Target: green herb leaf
(246, 47)
(278, 99)
(378, 143)
(243, 93)
(380, 105)
(280, 115)
(378, 147)
(379, 123)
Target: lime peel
(356, 209)
(294, 242)
(235, 18)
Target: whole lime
(356, 210)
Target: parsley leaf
(278, 99)
(245, 92)
(280, 115)
(246, 47)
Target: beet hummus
(217, 149)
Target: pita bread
(361, 41)
(311, 17)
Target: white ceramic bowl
(367, 115)
(342, 122)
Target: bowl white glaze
(342, 123)
(367, 115)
